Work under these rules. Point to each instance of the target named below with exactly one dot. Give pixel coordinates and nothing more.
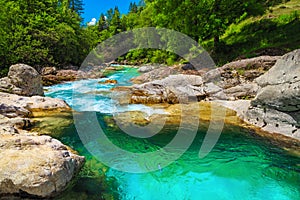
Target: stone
(35, 165)
(22, 80)
(32, 165)
(273, 121)
(109, 81)
(156, 74)
(173, 89)
(49, 71)
(11, 111)
(188, 66)
(61, 76)
(280, 86)
(240, 72)
(246, 90)
(145, 69)
(19, 106)
(276, 107)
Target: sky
(93, 8)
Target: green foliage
(275, 33)
(42, 33)
(49, 32)
(205, 21)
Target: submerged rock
(109, 81)
(22, 80)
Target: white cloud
(92, 22)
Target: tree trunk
(216, 41)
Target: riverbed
(242, 165)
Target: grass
(274, 33)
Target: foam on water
(89, 95)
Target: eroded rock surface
(232, 81)
(37, 165)
(31, 165)
(276, 107)
(19, 106)
(22, 80)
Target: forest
(52, 33)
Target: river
(242, 165)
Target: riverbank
(31, 165)
(270, 84)
(223, 87)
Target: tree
(40, 33)
(115, 23)
(102, 24)
(133, 8)
(77, 6)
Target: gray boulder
(146, 68)
(22, 80)
(173, 89)
(276, 107)
(283, 83)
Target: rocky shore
(32, 165)
(264, 91)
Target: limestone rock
(173, 89)
(241, 71)
(49, 71)
(155, 74)
(22, 80)
(146, 68)
(16, 105)
(281, 84)
(36, 165)
(274, 121)
(246, 90)
(276, 107)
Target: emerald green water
(240, 166)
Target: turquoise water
(241, 165)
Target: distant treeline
(50, 32)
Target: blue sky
(93, 8)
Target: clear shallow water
(241, 165)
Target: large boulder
(22, 80)
(241, 71)
(173, 89)
(35, 165)
(276, 107)
(281, 84)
